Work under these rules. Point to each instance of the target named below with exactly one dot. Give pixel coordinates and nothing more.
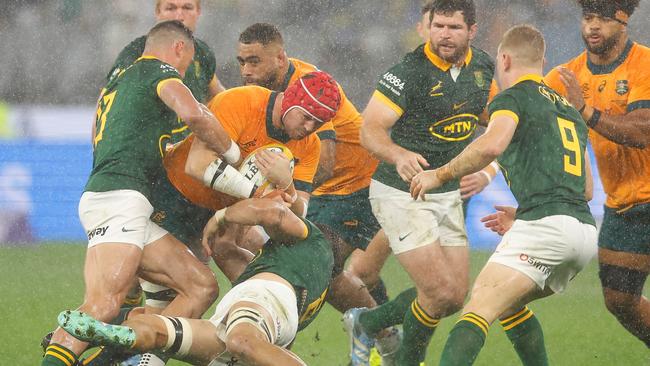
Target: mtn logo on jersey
(457, 128)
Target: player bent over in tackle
(148, 97)
(540, 140)
(279, 293)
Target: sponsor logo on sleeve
(392, 83)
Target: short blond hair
(159, 2)
(525, 44)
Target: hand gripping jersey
(354, 165)
(133, 126)
(616, 89)
(544, 164)
(246, 115)
(437, 114)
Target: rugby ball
(251, 172)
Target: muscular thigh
(411, 224)
(170, 263)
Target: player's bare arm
(273, 214)
(197, 116)
(631, 129)
(326, 162)
(378, 120)
(475, 157)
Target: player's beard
(606, 45)
(459, 53)
(268, 81)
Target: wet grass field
(37, 282)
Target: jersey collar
(533, 77)
(272, 131)
(608, 69)
(147, 57)
(288, 76)
(440, 63)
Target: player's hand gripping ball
(268, 174)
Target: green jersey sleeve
(391, 89)
(506, 104)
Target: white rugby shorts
(551, 251)
(279, 301)
(120, 216)
(410, 224)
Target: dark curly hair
(608, 8)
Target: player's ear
(179, 46)
(472, 31)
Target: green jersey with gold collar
(437, 113)
(133, 125)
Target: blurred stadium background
(55, 55)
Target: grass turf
(38, 282)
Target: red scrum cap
(316, 93)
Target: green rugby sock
(525, 332)
(379, 293)
(388, 314)
(58, 355)
(418, 329)
(465, 341)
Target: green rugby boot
(88, 329)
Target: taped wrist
(232, 155)
(224, 178)
(179, 335)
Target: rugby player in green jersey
(540, 141)
(200, 77)
(280, 292)
(148, 97)
(430, 103)
(171, 210)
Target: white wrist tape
(487, 175)
(232, 155)
(224, 178)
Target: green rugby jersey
(133, 126)
(438, 116)
(544, 165)
(307, 265)
(198, 74)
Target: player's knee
(622, 288)
(241, 345)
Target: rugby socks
(525, 332)
(379, 293)
(388, 314)
(418, 329)
(465, 341)
(58, 355)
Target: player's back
(544, 164)
(306, 264)
(132, 125)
